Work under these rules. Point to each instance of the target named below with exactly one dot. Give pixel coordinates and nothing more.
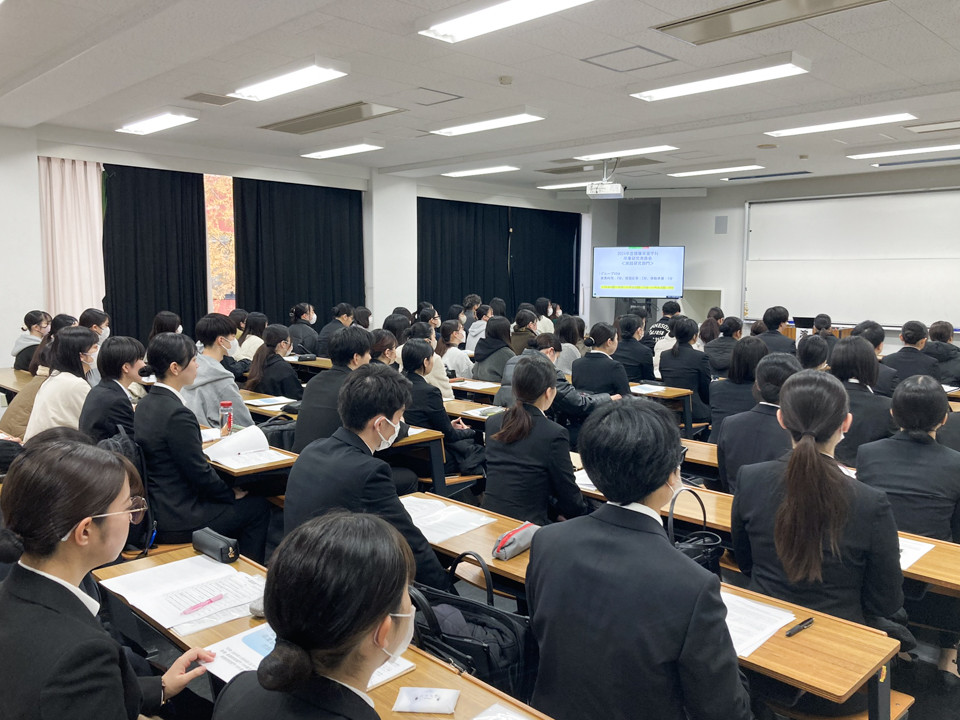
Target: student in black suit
(887, 377)
(529, 473)
(318, 417)
(341, 471)
(67, 507)
(735, 394)
(597, 371)
(302, 320)
(910, 360)
(685, 367)
(636, 358)
(812, 352)
(335, 624)
(755, 436)
(941, 348)
(670, 632)
(921, 478)
(661, 327)
(775, 320)
(109, 406)
(342, 317)
(855, 365)
(822, 324)
(720, 351)
(269, 373)
(184, 491)
(383, 348)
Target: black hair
(709, 330)
(115, 352)
(341, 309)
(532, 377)
(427, 314)
(747, 353)
(919, 405)
(239, 317)
(542, 306)
(941, 331)
(600, 334)
(773, 371)
(164, 350)
(498, 328)
(163, 321)
(401, 310)
(731, 326)
(60, 433)
(214, 325)
(913, 331)
(415, 353)
(854, 358)
(255, 325)
(481, 311)
(822, 323)
(316, 601)
(629, 324)
(758, 327)
(447, 329)
(454, 312)
(35, 317)
(639, 310)
(568, 330)
(775, 316)
(381, 341)
(522, 319)
(361, 316)
(92, 316)
(371, 390)
(67, 347)
(396, 323)
(498, 306)
(527, 306)
(419, 331)
(300, 311)
(545, 341)
(472, 301)
(812, 351)
(347, 342)
(871, 331)
(671, 307)
(684, 329)
(422, 305)
(629, 448)
(272, 336)
(43, 355)
(715, 313)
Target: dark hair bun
(589, 341)
(287, 666)
(147, 370)
(11, 546)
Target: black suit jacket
(319, 699)
(949, 433)
(719, 352)
(318, 416)
(59, 662)
(864, 580)
(599, 373)
(426, 410)
(887, 380)
(340, 472)
(304, 337)
(922, 480)
(778, 342)
(871, 421)
(745, 438)
(183, 490)
(689, 369)
(106, 407)
(947, 356)
(323, 337)
(523, 476)
(726, 399)
(908, 361)
(279, 378)
(613, 580)
(636, 358)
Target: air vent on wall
(334, 117)
(211, 99)
(582, 167)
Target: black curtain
(297, 243)
(154, 247)
(496, 251)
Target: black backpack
(280, 431)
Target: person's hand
(618, 396)
(459, 424)
(239, 494)
(179, 676)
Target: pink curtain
(71, 219)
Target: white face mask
(407, 637)
(559, 313)
(312, 319)
(234, 348)
(387, 442)
(179, 329)
(549, 311)
(105, 333)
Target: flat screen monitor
(638, 272)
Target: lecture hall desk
(13, 381)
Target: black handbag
(494, 645)
(702, 546)
(280, 431)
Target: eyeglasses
(137, 509)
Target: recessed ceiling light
(716, 171)
(163, 121)
(625, 153)
(481, 18)
(504, 119)
(754, 71)
(926, 161)
(934, 127)
(343, 150)
(564, 186)
(844, 125)
(481, 171)
(313, 74)
(909, 151)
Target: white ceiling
(92, 65)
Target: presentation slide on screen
(638, 272)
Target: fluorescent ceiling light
(481, 171)
(626, 153)
(303, 77)
(343, 150)
(844, 125)
(934, 127)
(565, 186)
(716, 171)
(488, 18)
(772, 68)
(505, 119)
(164, 121)
(911, 151)
(927, 161)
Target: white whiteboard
(889, 258)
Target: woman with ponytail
(336, 595)
(529, 473)
(720, 351)
(269, 373)
(683, 366)
(302, 319)
(597, 371)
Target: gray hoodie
(24, 341)
(478, 329)
(214, 384)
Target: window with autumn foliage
(221, 260)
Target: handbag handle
(487, 578)
(673, 502)
(422, 605)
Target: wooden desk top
(955, 395)
(700, 453)
(289, 459)
(485, 391)
(459, 408)
(14, 380)
(322, 363)
(268, 412)
(424, 436)
(666, 393)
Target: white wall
(390, 244)
(22, 276)
(603, 223)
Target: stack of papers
(267, 401)
(912, 550)
(439, 521)
(209, 434)
(484, 412)
(584, 482)
(244, 449)
(752, 623)
(645, 389)
(476, 385)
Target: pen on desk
(799, 626)
(193, 608)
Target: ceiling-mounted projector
(605, 191)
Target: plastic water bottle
(226, 418)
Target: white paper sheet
(476, 385)
(912, 550)
(950, 388)
(264, 402)
(485, 412)
(388, 671)
(241, 652)
(415, 431)
(209, 434)
(291, 358)
(752, 623)
(645, 389)
(583, 481)
(251, 458)
(439, 521)
(250, 438)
